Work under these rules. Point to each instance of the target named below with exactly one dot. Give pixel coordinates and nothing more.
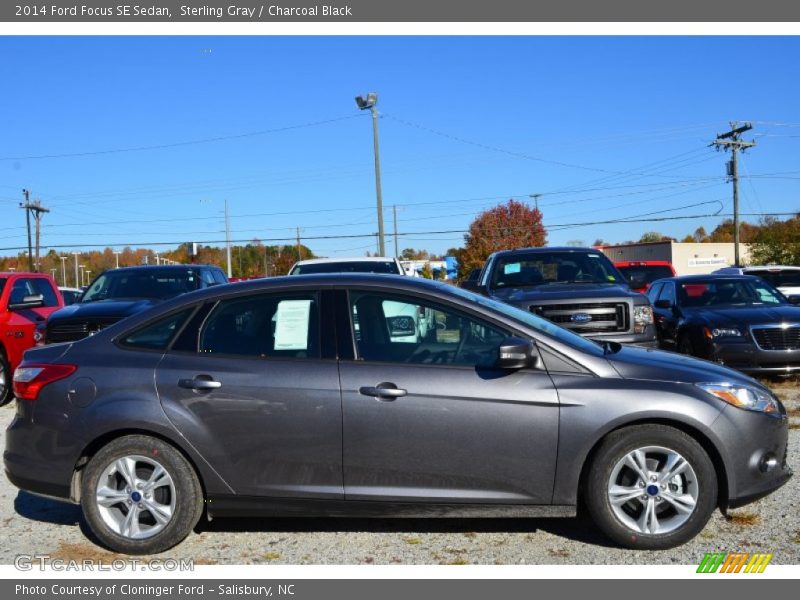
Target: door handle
(385, 390)
(199, 384)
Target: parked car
(641, 273)
(785, 278)
(577, 288)
(405, 323)
(26, 299)
(119, 293)
(70, 295)
(261, 399)
(470, 282)
(740, 321)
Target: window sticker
(291, 328)
(512, 268)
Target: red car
(26, 300)
(641, 273)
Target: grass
(413, 541)
(272, 556)
(744, 519)
(560, 552)
(794, 425)
(458, 561)
(796, 539)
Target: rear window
(156, 336)
(367, 266)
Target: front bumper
(752, 439)
(745, 356)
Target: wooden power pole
(732, 140)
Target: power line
(185, 143)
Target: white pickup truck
(406, 322)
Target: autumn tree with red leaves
(505, 227)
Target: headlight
(743, 396)
(642, 317)
(719, 332)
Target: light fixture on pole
(369, 103)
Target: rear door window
(264, 326)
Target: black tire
(188, 494)
(6, 389)
(613, 449)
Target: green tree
(776, 242)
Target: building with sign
(688, 258)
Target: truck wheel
(6, 390)
(139, 495)
(651, 487)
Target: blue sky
(112, 134)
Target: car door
(22, 321)
(252, 387)
(432, 420)
(667, 315)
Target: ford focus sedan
(263, 399)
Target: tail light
(30, 378)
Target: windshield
(538, 268)
(362, 266)
(530, 320)
(160, 284)
(728, 292)
(642, 275)
(779, 278)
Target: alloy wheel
(135, 496)
(653, 490)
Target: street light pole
(75, 254)
(117, 255)
(370, 103)
(63, 270)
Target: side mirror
(663, 304)
(34, 301)
(794, 299)
(516, 353)
(471, 286)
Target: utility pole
(394, 214)
(299, 251)
(732, 140)
(36, 208)
(228, 239)
(536, 200)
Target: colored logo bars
(736, 562)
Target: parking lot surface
(33, 525)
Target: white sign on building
(706, 262)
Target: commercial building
(687, 258)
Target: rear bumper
(40, 459)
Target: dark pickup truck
(577, 288)
(120, 293)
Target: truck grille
(600, 317)
(75, 330)
(777, 338)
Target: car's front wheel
(651, 487)
(139, 495)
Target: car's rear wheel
(139, 495)
(651, 487)
(6, 391)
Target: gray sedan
(263, 398)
